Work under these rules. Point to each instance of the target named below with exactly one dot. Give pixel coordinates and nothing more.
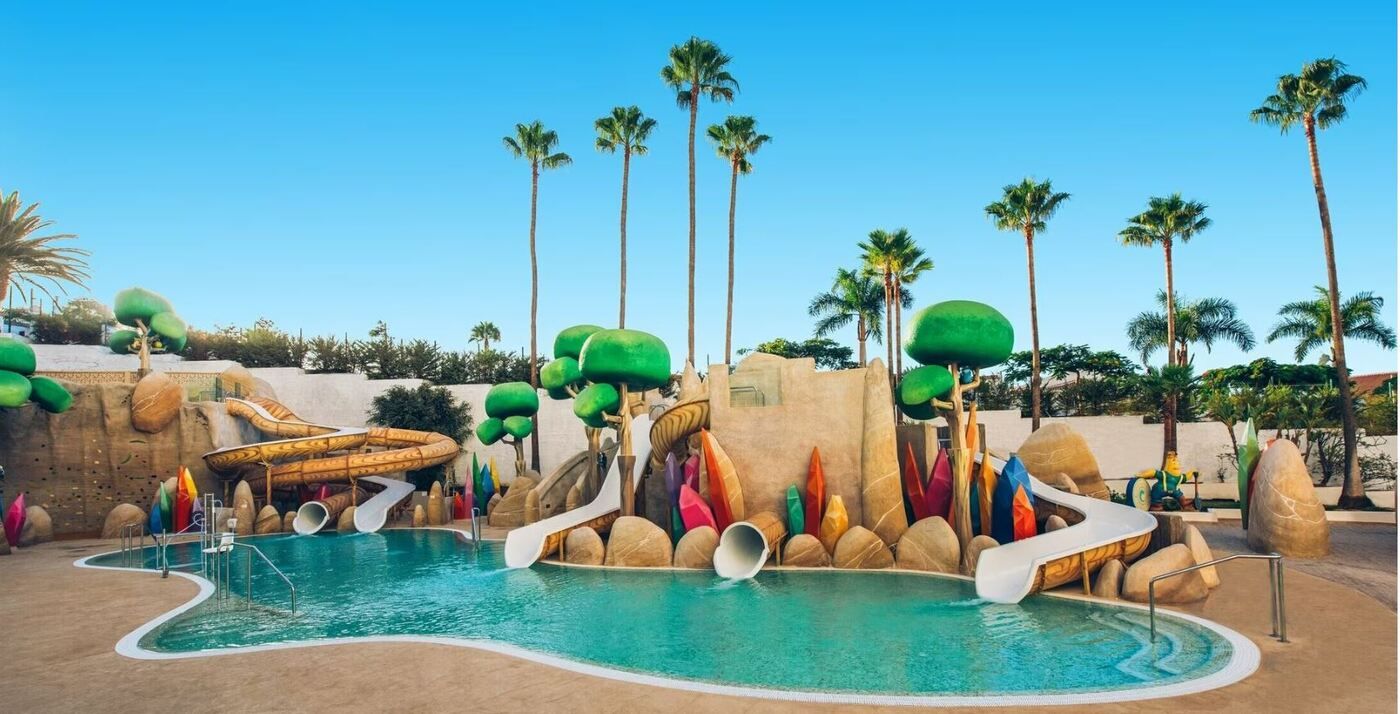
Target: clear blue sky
(326, 166)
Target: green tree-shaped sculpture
(19, 385)
(154, 326)
(563, 379)
(954, 340)
(509, 408)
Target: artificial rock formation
(1054, 523)
(1061, 481)
(155, 402)
(242, 495)
(583, 546)
(510, 512)
(860, 548)
(38, 527)
(122, 515)
(1284, 514)
(931, 545)
(696, 549)
(435, 504)
(267, 522)
(420, 516)
(288, 520)
(882, 500)
(1109, 581)
(491, 505)
(1058, 449)
(1200, 551)
(973, 552)
(805, 551)
(532, 506)
(242, 508)
(346, 522)
(638, 543)
(1187, 587)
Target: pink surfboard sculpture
(694, 511)
(939, 494)
(692, 472)
(14, 521)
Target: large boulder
(1187, 587)
(155, 403)
(696, 549)
(931, 545)
(267, 522)
(1200, 550)
(435, 504)
(287, 520)
(1061, 481)
(510, 512)
(117, 518)
(973, 552)
(346, 522)
(242, 495)
(38, 527)
(420, 517)
(805, 551)
(1057, 449)
(583, 546)
(1054, 523)
(1109, 582)
(637, 543)
(1284, 514)
(492, 504)
(860, 548)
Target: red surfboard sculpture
(939, 496)
(816, 495)
(913, 485)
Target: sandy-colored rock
(1200, 551)
(267, 522)
(346, 522)
(246, 519)
(242, 494)
(638, 543)
(973, 552)
(1056, 449)
(510, 512)
(1061, 481)
(691, 386)
(492, 504)
(120, 516)
(435, 504)
(420, 516)
(155, 403)
(805, 551)
(882, 497)
(574, 498)
(931, 545)
(1109, 582)
(38, 527)
(1054, 523)
(1284, 513)
(860, 548)
(287, 520)
(532, 506)
(583, 546)
(1187, 587)
(696, 549)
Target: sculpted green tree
(1167, 220)
(563, 379)
(510, 407)
(735, 141)
(697, 70)
(1205, 321)
(625, 129)
(484, 333)
(1310, 322)
(854, 297)
(1026, 207)
(153, 326)
(19, 384)
(536, 145)
(1317, 99)
(31, 260)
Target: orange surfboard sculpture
(816, 495)
(1022, 515)
(834, 524)
(986, 486)
(726, 496)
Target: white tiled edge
(1244, 660)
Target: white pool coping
(1244, 658)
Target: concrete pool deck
(61, 624)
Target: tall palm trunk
(534, 310)
(860, 337)
(729, 296)
(889, 327)
(898, 293)
(1353, 491)
(1169, 420)
(1035, 331)
(690, 313)
(622, 269)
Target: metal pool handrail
(1280, 619)
(254, 549)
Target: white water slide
(525, 544)
(370, 515)
(1007, 573)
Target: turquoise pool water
(826, 631)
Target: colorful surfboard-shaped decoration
(726, 496)
(834, 524)
(986, 486)
(796, 515)
(1248, 458)
(974, 504)
(913, 485)
(694, 511)
(154, 523)
(14, 521)
(939, 495)
(167, 509)
(459, 508)
(816, 495)
(692, 474)
(1003, 503)
(488, 484)
(468, 502)
(1022, 514)
(677, 525)
(495, 478)
(673, 479)
(323, 492)
(182, 506)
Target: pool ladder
(221, 571)
(476, 528)
(1280, 618)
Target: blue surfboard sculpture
(1013, 474)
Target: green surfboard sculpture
(795, 512)
(1248, 457)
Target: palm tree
(1317, 98)
(627, 129)
(910, 263)
(1310, 322)
(1026, 207)
(697, 71)
(854, 296)
(484, 333)
(735, 140)
(1167, 220)
(31, 260)
(536, 145)
(880, 257)
(1205, 321)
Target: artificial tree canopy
(490, 431)
(596, 401)
(559, 394)
(970, 334)
(512, 399)
(561, 372)
(50, 395)
(14, 389)
(921, 412)
(121, 341)
(168, 325)
(925, 384)
(134, 304)
(637, 359)
(16, 356)
(569, 342)
(171, 344)
(518, 426)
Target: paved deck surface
(60, 624)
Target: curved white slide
(525, 544)
(1007, 573)
(370, 515)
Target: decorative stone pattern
(973, 553)
(639, 543)
(155, 402)
(1187, 587)
(123, 514)
(805, 551)
(696, 549)
(930, 545)
(583, 546)
(882, 498)
(860, 548)
(1058, 449)
(1285, 515)
(1109, 581)
(510, 512)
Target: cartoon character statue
(1164, 492)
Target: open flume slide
(1010, 572)
(529, 543)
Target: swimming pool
(828, 634)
